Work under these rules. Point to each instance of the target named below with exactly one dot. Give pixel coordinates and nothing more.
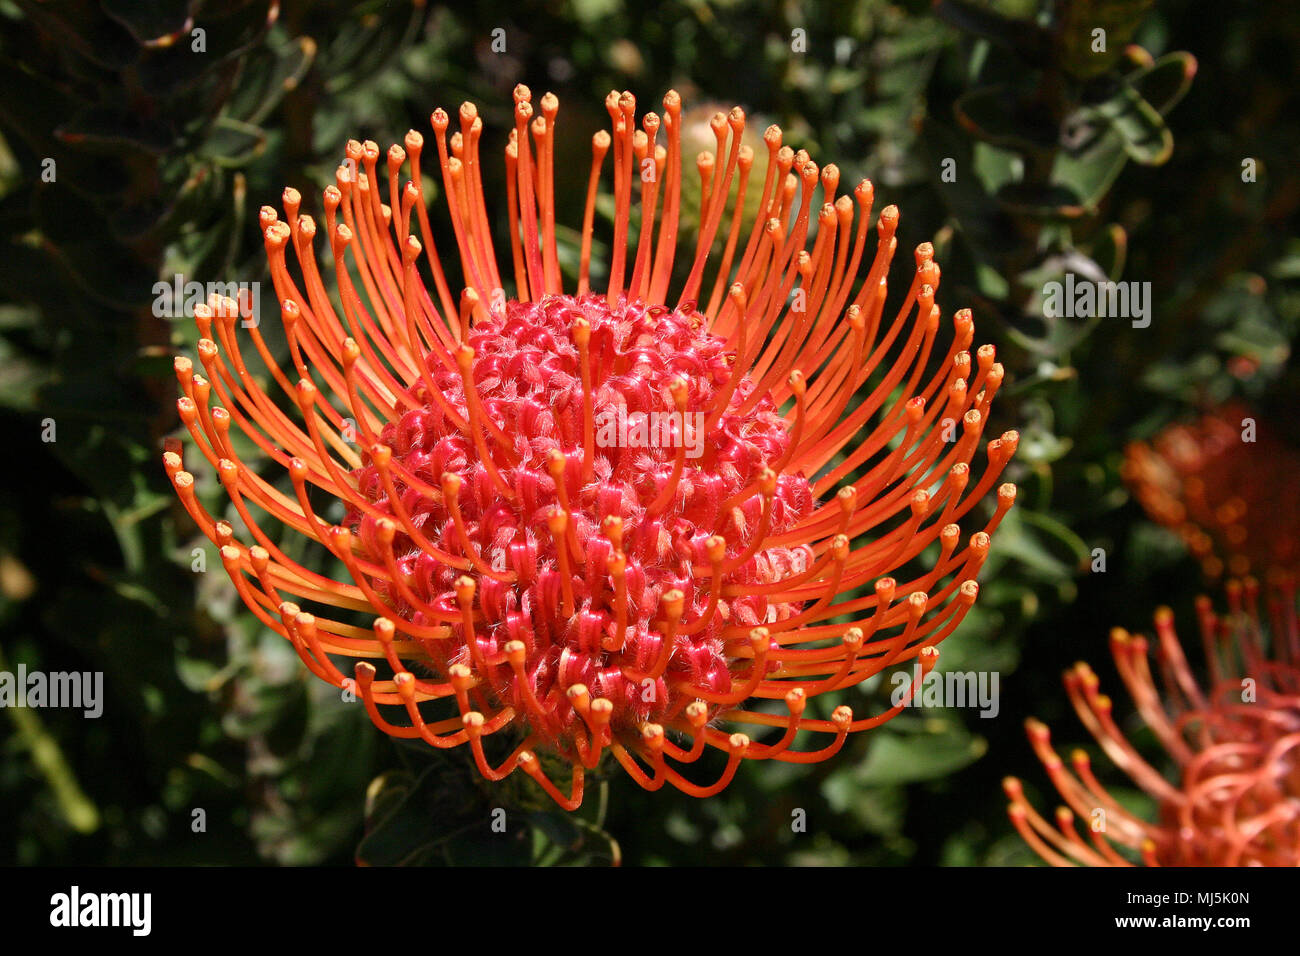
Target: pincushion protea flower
(499, 555)
(1220, 492)
(1236, 744)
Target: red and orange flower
(497, 554)
(1234, 798)
(1220, 483)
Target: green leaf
(1074, 32)
(1166, 81)
(1089, 175)
(1041, 201)
(1140, 126)
(880, 811)
(394, 829)
(1111, 250)
(1026, 37)
(940, 749)
(1001, 115)
(255, 100)
(233, 143)
(1129, 124)
(1021, 538)
(21, 378)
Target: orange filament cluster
(1235, 742)
(1220, 483)
(500, 566)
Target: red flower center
(670, 499)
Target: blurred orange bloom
(1234, 743)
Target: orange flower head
(1235, 800)
(586, 522)
(1222, 484)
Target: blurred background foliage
(1001, 130)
